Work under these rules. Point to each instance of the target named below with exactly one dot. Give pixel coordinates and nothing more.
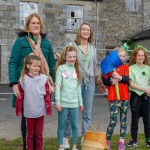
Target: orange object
(123, 88)
(94, 140)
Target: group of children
(35, 98)
(136, 76)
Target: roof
(141, 35)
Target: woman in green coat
(32, 38)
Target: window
(131, 5)
(27, 8)
(74, 16)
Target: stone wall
(110, 21)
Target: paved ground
(10, 124)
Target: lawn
(51, 144)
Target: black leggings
(143, 110)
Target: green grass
(51, 143)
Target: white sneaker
(74, 147)
(61, 147)
(66, 144)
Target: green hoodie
(68, 89)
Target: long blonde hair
(28, 60)
(78, 35)
(62, 60)
(134, 55)
(28, 20)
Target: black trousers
(23, 131)
(142, 110)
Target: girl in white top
(35, 98)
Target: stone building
(111, 21)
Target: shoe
(74, 147)
(108, 145)
(121, 146)
(132, 143)
(61, 147)
(148, 143)
(66, 144)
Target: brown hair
(134, 55)
(78, 35)
(28, 60)
(28, 20)
(62, 60)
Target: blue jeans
(88, 91)
(62, 116)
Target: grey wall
(110, 21)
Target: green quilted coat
(20, 49)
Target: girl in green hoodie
(68, 93)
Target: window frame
(131, 5)
(74, 16)
(24, 12)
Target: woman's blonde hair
(28, 60)
(62, 60)
(28, 20)
(134, 55)
(78, 35)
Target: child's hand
(115, 75)
(81, 108)
(114, 81)
(147, 91)
(19, 115)
(47, 116)
(58, 107)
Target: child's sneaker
(61, 147)
(121, 146)
(132, 143)
(108, 145)
(148, 143)
(66, 144)
(74, 147)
